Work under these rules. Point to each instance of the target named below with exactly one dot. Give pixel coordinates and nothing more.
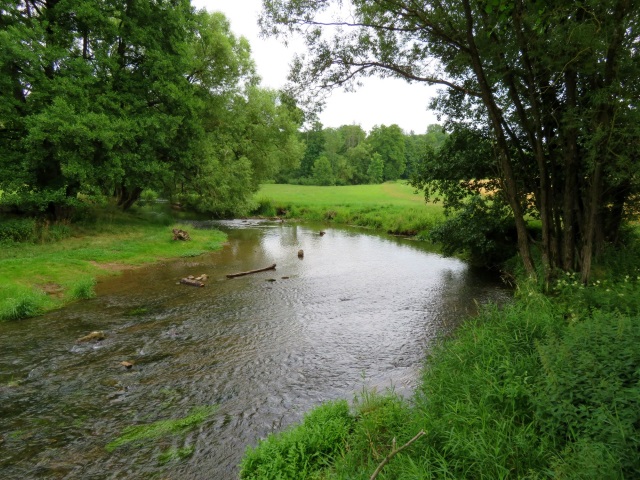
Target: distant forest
(348, 156)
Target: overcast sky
(378, 102)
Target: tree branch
(394, 452)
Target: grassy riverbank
(54, 265)
(546, 387)
(393, 207)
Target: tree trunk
(127, 197)
(505, 161)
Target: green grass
(393, 207)
(111, 241)
(163, 428)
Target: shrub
(590, 392)
(18, 230)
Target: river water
(358, 310)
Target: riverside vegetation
(394, 207)
(547, 386)
(44, 266)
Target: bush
(590, 392)
(18, 230)
(480, 229)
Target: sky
(377, 102)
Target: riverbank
(54, 265)
(392, 207)
(546, 387)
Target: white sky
(377, 102)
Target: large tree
(115, 96)
(551, 85)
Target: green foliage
(133, 98)
(17, 230)
(162, 428)
(301, 452)
(375, 171)
(590, 391)
(357, 158)
(482, 229)
(322, 172)
(388, 142)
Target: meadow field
(394, 207)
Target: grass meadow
(393, 207)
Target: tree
(115, 96)
(323, 172)
(314, 146)
(388, 142)
(375, 172)
(563, 127)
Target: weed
(174, 454)
(162, 428)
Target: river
(358, 310)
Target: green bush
(18, 230)
(481, 229)
(302, 451)
(590, 392)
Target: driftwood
(192, 281)
(179, 234)
(395, 451)
(241, 274)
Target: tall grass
(393, 207)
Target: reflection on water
(265, 348)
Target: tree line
(107, 98)
(347, 155)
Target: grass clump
(301, 452)
(83, 289)
(174, 454)
(162, 428)
(18, 301)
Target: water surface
(358, 309)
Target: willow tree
(552, 84)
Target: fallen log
(192, 281)
(241, 274)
